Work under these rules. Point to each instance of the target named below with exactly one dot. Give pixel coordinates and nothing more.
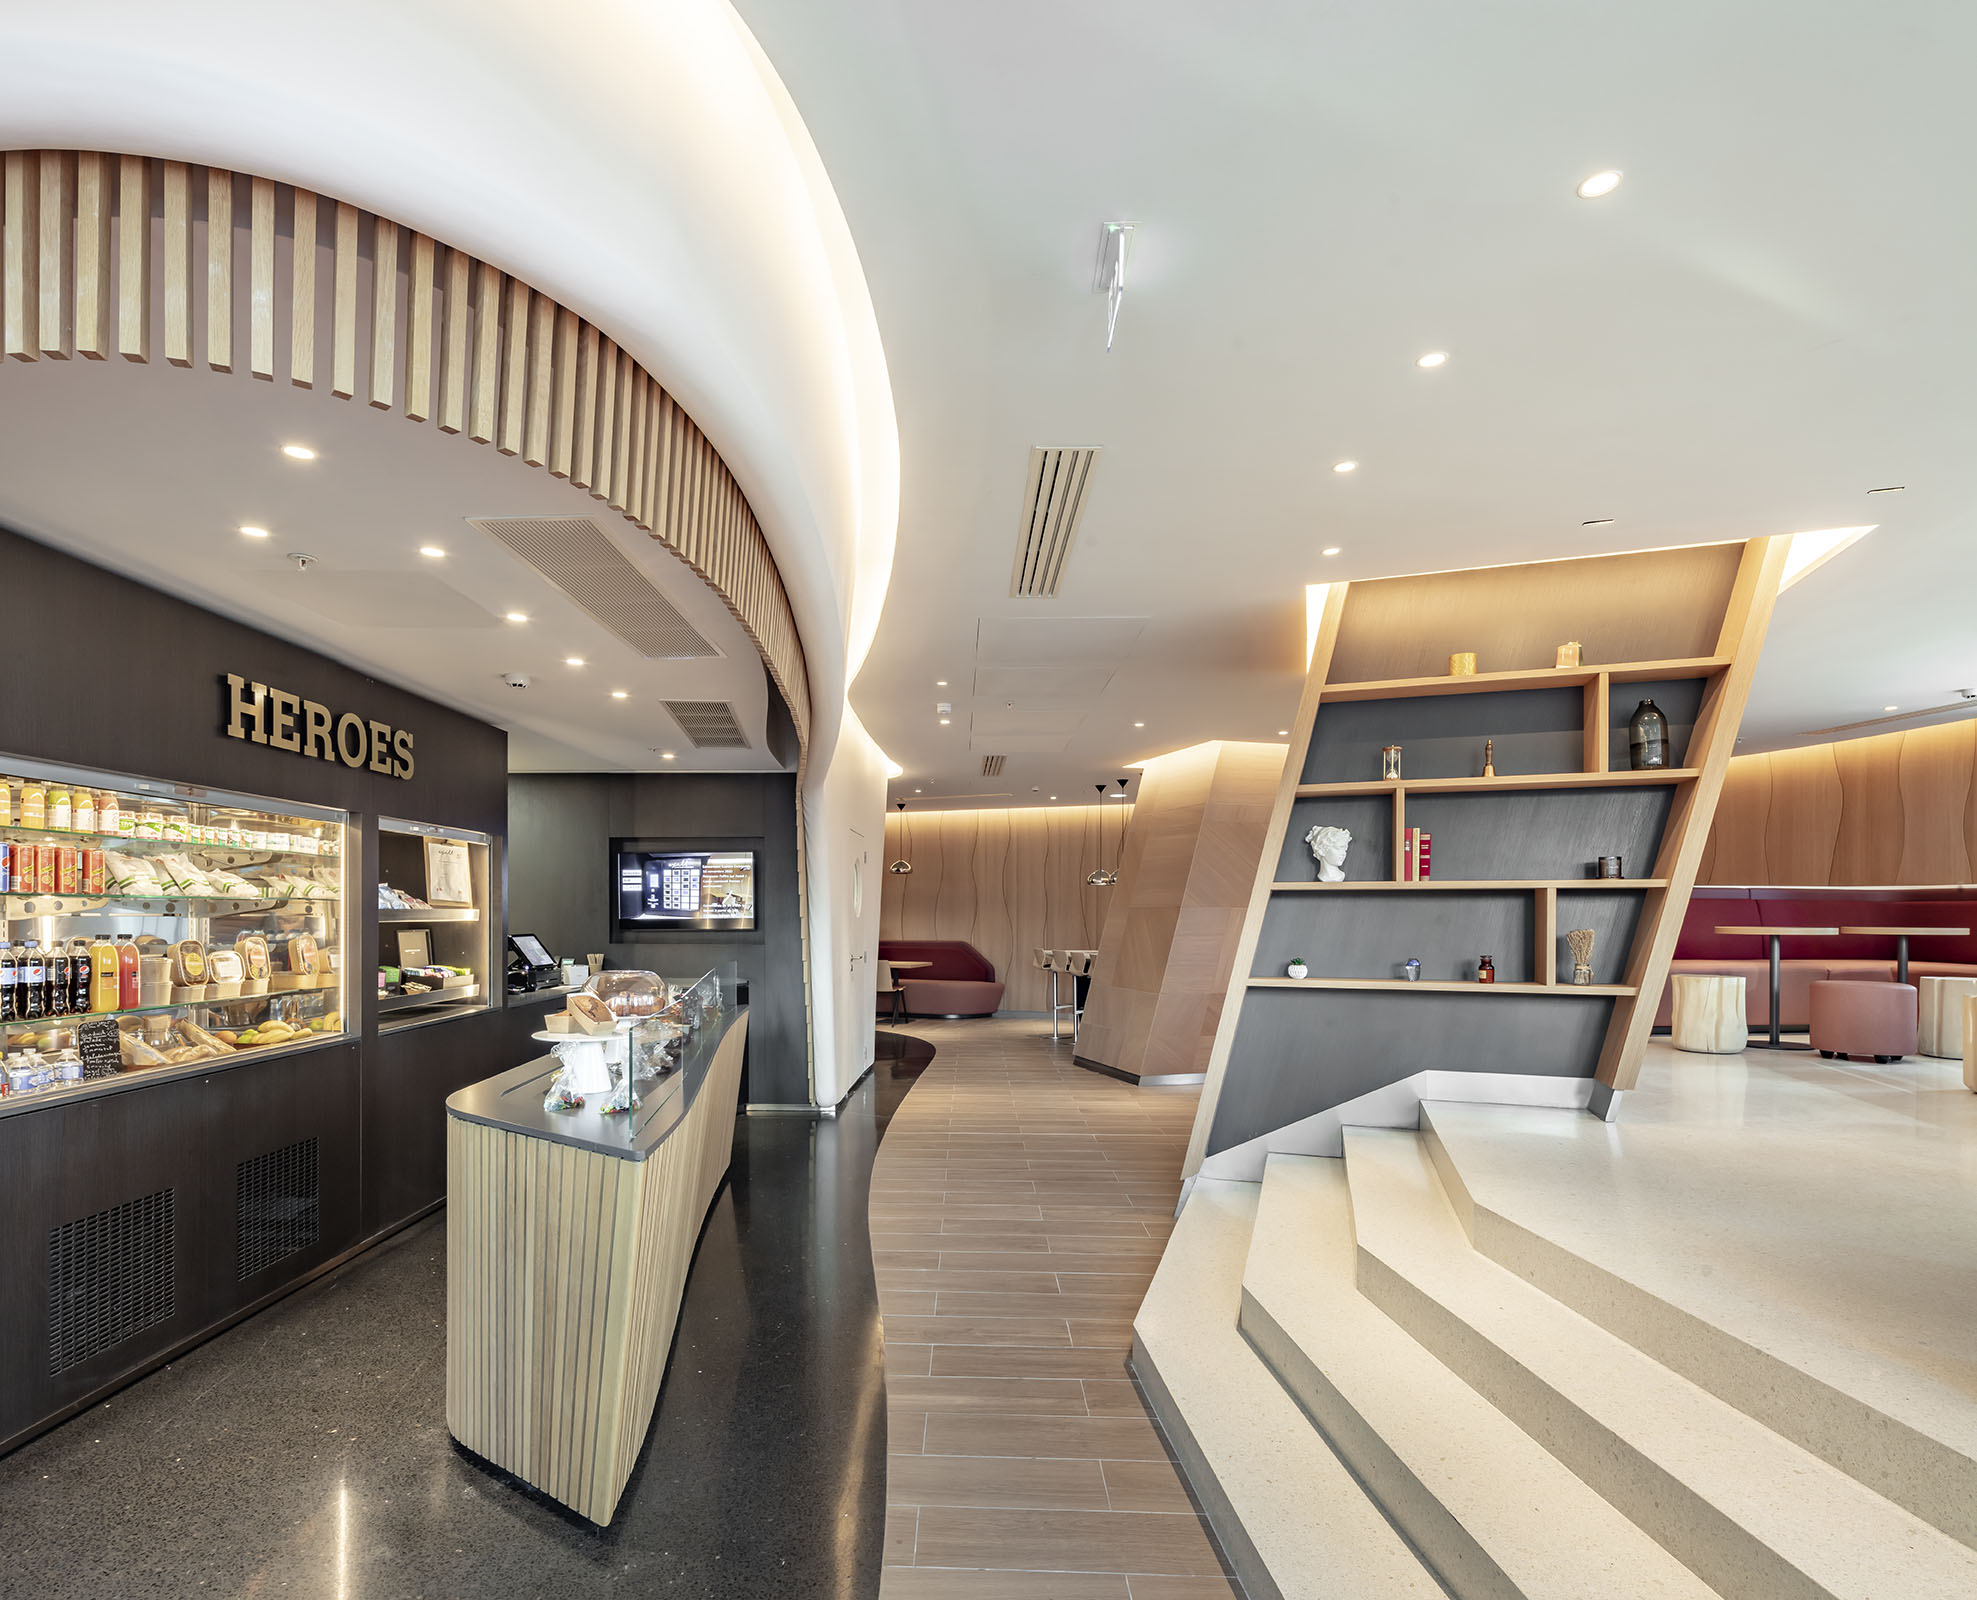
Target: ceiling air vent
(709, 724)
(577, 556)
(992, 766)
(1053, 506)
(1963, 703)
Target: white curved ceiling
(636, 161)
(1769, 318)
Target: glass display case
(153, 927)
(434, 923)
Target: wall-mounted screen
(707, 889)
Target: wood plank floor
(1019, 1206)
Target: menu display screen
(709, 889)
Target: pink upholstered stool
(1864, 1019)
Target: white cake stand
(588, 1058)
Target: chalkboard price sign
(96, 1042)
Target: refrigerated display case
(433, 959)
(151, 929)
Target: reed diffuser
(1581, 941)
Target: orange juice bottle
(34, 804)
(102, 975)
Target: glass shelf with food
(219, 938)
(434, 920)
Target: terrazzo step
(1293, 1523)
(1905, 1437)
(1495, 1515)
(1753, 1513)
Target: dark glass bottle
(80, 969)
(34, 984)
(1485, 970)
(8, 972)
(1647, 737)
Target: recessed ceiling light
(619, 694)
(917, 791)
(253, 532)
(1599, 185)
(1434, 358)
(1329, 550)
(1893, 488)
(1052, 797)
(298, 452)
(665, 755)
(1891, 708)
(518, 616)
(1598, 522)
(1345, 466)
(944, 721)
(573, 661)
(1283, 733)
(431, 552)
(940, 683)
(1139, 724)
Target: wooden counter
(568, 1241)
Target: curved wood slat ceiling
(446, 338)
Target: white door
(859, 938)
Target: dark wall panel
(1299, 1051)
(1369, 818)
(1373, 935)
(560, 841)
(1612, 914)
(1538, 833)
(1535, 730)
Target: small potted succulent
(1297, 968)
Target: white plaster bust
(1328, 848)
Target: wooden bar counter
(568, 1241)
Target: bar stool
(1046, 961)
(888, 984)
(1078, 964)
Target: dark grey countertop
(513, 1100)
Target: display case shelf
(422, 914)
(1467, 885)
(23, 903)
(75, 1019)
(1502, 783)
(13, 833)
(388, 1003)
(1535, 678)
(1565, 991)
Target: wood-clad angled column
(177, 243)
(219, 270)
(420, 265)
(484, 414)
(343, 305)
(261, 279)
(56, 329)
(96, 184)
(384, 312)
(583, 462)
(563, 403)
(21, 291)
(302, 293)
(134, 258)
(454, 343)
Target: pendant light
(1119, 860)
(902, 866)
(1098, 877)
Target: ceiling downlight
(1053, 507)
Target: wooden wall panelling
(134, 189)
(483, 412)
(343, 305)
(177, 243)
(621, 446)
(607, 418)
(1739, 836)
(56, 335)
(635, 472)
(590, 352)
(421, 264)
(542, 379)
(96, 185)
(261, 279)
(563, 404)
(1935, 774)
(219, 269)
(515, 371)
(302, 290)
(455, 342)
(21, 313)
(1802, 820)
(1868, 848)
(384, 314)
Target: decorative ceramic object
(1328, 848)
(1568, 654)
(1610, 867)
(1489, 758)
(1412, 971)
(1462, 664)
(1581, 941)
(1297, 969)
(1390, 761)
(1647, 738)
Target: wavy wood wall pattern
(382, 311)
(1005, 881)
(1898, 808)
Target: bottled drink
(127, 985)
(109, 815)
(102, 974)
(1485, 970)
(83, 811)
(57, 1003)
(81, 970)
(60, 807)
(34, 804)
(8, 973)
(6, 802)
(34, 985)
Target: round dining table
(1774, 935)
(899, 994)
(1901, 936)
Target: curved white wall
(638, 160)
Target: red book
(1424, 853)
(1407, 855)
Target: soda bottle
(80, 969)
(34, 985)
(8, 973)
(57, 1004)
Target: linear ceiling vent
(710, 724)
(578, 557)
(1966, 702)
(992, 766)
(1053, 506)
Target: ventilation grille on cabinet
(710, 724)
(992, 766)
(109, 1276)
(277, 1206)
(576, 555)
(1053, 506)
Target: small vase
(1297, 969)
(1647, 738)
(1582, 974)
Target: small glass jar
(1485, 970)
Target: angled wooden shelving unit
(1567, 991)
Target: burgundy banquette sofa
(960, 982)
(1804, 962)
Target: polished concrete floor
(1019, 1206)
(305, 1452)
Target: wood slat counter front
(568, 1242)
